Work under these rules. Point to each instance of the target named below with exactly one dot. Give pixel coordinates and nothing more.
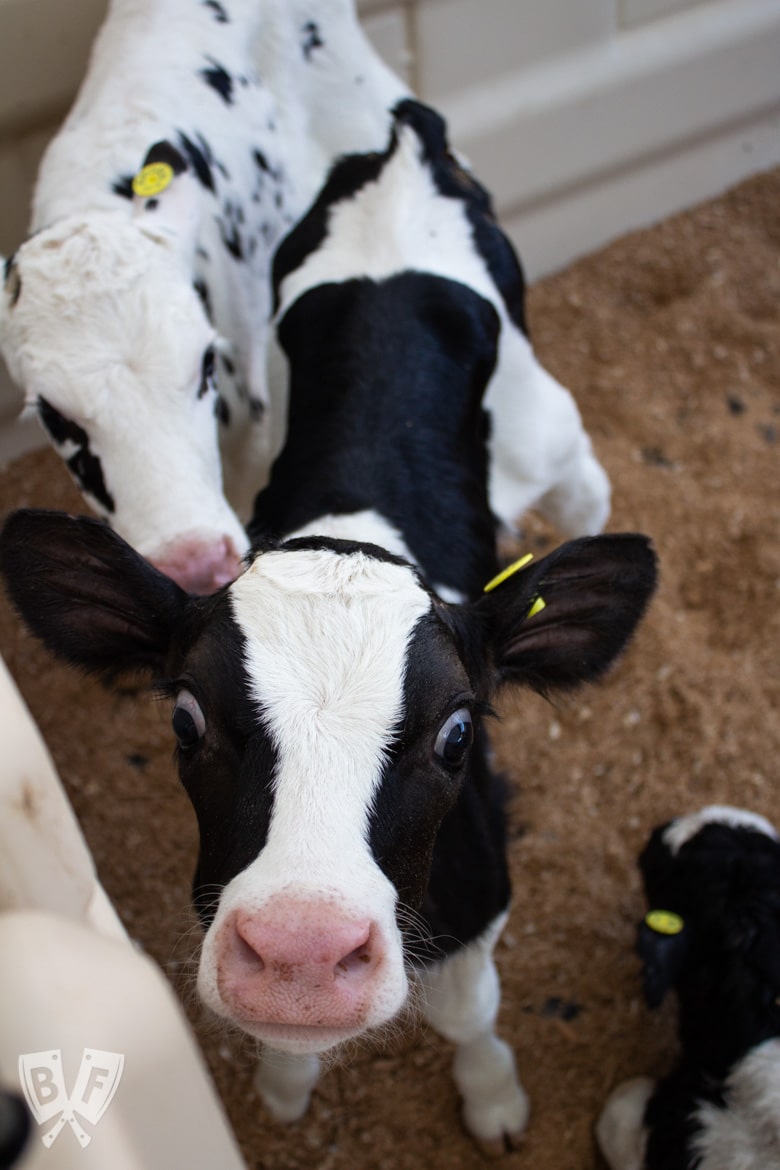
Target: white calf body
(100, 319)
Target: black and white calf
(329, 704)
(137, 326)
(713, 881)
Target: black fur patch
(219, 79)
(202, 289)
(85, 467)
(219, 10)
(199, 161)
(11, 279)
(385, 413)
(123, 186)
(166, 152)
(312, 39)
(230, 229)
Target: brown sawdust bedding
(670, 339)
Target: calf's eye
(188, 720)
(455, 737)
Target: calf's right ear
(563, 620)
(90, 598)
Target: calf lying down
(330, 704)
(713, 881)
(135, 317)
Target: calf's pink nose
(200, 566)
(299, 963)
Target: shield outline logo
(96, 1084)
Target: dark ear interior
(90, 598)
(595, 590)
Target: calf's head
(102, 328)
(712, 880)
(325, 705)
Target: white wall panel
(44, 47)
(570, 123)
(387, 32)
(633, 12)
(461, 43)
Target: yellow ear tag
(537, 607)
(664, 922)
(508, 572)
(152, 179)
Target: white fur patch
(746, 1134)
(326, 642)
(367, 527)
(683, 829)
(421, 231)
(620, 1130)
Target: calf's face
(325, 705)
(101, 327)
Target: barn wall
(585, 117)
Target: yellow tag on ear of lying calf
(537, 607)
(664, 922)
(508, 572)
(152, 179)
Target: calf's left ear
(563, 620)
(89, 597)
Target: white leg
(620, 1130)
(540, 454)
(461, 1002)
(578, 505)
(284, 1082)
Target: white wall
(586, 118)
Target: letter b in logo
(43, 1086)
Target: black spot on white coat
(219, 11)
(312, 39)
(85, 467)
(217, 76)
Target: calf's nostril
(356, 962)
(246, 954)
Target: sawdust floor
(670, 339)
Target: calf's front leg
(461, 1000)
(284, 1081)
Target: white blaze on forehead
(326, 638)
(685, 828)
(368, 527)
(422, 230)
